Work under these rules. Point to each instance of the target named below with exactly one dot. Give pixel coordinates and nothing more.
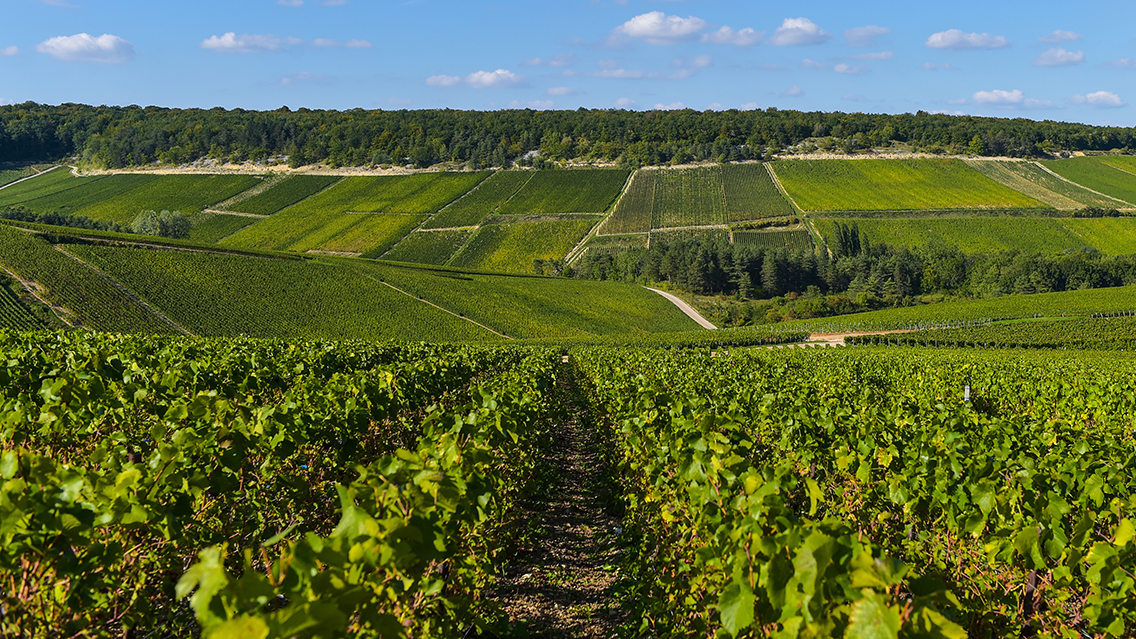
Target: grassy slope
(285, 193)
(1033, 180)
(881, 185)
(539, 307)
(428, 247)
(567, 191)
(46, 184)
(473, 207)
(1115, 236)
(511, 247)
(227, 295)
(1096, 174)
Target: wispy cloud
(743, 37)
(798, 31)
(1122, 63)
(537, 105)
(865, 36)
(290, 3)
(349, 44)
(501, 78)
(248, 43)
(1014, 98)
(1059, 58)
(83, 47)
(558, 60)
(793, 91)
(10, 51)
(625, 103)
(881, 55)
(1059, 36)
(813, 64)
(956, 39)
(850, 70)
(558, 91)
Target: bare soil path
(685, 308)
(562, 585)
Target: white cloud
(865, 36)
(794, 91)
(945, 112)
(1015, 98)
(304, 78)
(749, 106)
(1060, 36)
(562, 91)
(1104, 99)
(701, 61)
(673, 106)
(882, 55)
(657, 27)
(443, 81)
(538, 105)
(798, 31)
(246, 43)
(10, 51)
(1122, 63)
(625, 103)
(1059, 58)
(743, 38)
(813, 64)
(83, 47)
(290, 3)
(956, 39)
(714, 106)
(622, 74)
(5, 102)
(350, 44)
(850, 70)
(558, 60)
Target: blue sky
(1060, 61)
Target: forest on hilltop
(119, 137)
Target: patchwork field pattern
(991, 234)
(226, 295)
(567, 191)
(428, 247)
(1031, 179)
(1097, 174)
(511, 247)
(899, 185)
(521, 306)
(751, 193)
(48, 183)
(285, 193)
(477, 205)
(634, 211)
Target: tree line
(776, 283)
(119, 137)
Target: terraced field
(475, 206)
(751, 193)
(428, 247)
(1099, 175)
(635, 210)
(511, 247)
(1031, 179)
(1115, 236)
(567, 191)
(894, 185)
(521, 306)
(285, 193)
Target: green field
(511, 247)
(473, 207)
(423, 193)
(680, 234)
(1097, 174)
(634, 211)
(13, 314)
(120, 198)
(8, 176)
(689, 197)
(794, 240)
(1125, 163)
(285, 193)
(894, 185)
(225, 295)
(305, 230)
(751, 193)
(83, 296)
(1081, 333)
(210, 228)
(48, 183)
(1115, 236)
(567, 191)
(635, 240)
(521, 306)
(428, 247)
(1031, 179)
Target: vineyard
(285, 193)
(512, 246)
(751, 193)
(886, 185)
(1098, 174)
(13, 314)
(1115, 236)
(795, 240)
(570, 191)
(635, 210)
(210, 228)
(475, 206)
(49, 183)
(1031, 179)
(1081, 333)
(428, 247)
